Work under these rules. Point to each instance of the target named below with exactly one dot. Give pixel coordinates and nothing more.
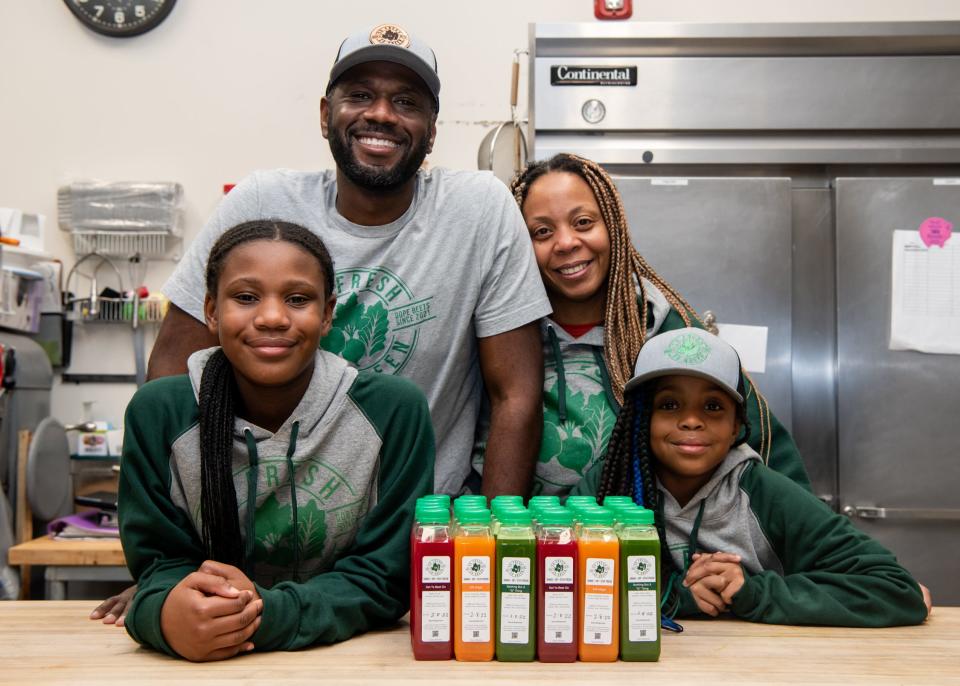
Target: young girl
(607, 302)
(679, 447)
(266, 497)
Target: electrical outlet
(612, 9)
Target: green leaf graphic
(348, 324)
(273, 543)
(312, 530)
(375, 327)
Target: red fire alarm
(612, 9)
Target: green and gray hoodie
(802, 562)
(580, 409)
(327, 542)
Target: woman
(607, 301)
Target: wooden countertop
(86, 552)
(46, 642)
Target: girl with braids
(607, 302)
(679, 447)
(266, 497)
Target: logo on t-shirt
(376, 321)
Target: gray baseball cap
(388, 43)
(689, 352)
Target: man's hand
(713, 579)
(205, 618)
(114, 609)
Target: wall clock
(120, 18)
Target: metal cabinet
(899, 458)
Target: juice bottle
(423, 504)
(430, 616)
(598, 549)
(639, 587)
(473, 582)
(556, 590)
(516, 588)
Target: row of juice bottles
(550, 582)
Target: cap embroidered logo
(688, 349)
(390, 34)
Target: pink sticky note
(935, 231)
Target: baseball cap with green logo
(689, 352)
(388, 43)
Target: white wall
(227, 86)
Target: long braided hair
(624, 326)
(218, 396)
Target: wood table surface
(45, 642)
(68, 552)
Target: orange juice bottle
(474, 581)
(599, 551)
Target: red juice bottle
(424, 502)
(557, 601)
(431, 618)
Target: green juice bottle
(516, 588)
(639, 587)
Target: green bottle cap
(555, 517)
(575, 499)
(517, 499)
(470, 498)
(637, 517)
(474, 516)
(513, 517)
(433, 515)
(596, 517)
(616, 499)
(545, 499)
(441, 498)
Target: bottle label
(642, 615)
(475, 599)
(515, 587)
(600, 571)
(514, 617)
(598, 618)
(558, 570)
(475, 569)
(435, 569)
(475, 617)
(642, 609)
(435, 617)
(558, 617)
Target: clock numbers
(120, 18)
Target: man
(435, 277)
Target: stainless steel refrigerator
(764, 169)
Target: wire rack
(119, 310)
(121, 243)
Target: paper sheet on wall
(925, 298)
(750, 342)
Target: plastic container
(639, 588)
(599, 552)
(556, 588)
(474, 582)
(432, 554)
(516, 587)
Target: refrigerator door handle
(902, 513)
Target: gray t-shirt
(413, 295)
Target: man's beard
(372, 178)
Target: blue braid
(635, 452)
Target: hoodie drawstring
(252, 474)
(605, 381)
(561, 375)
(668, 605)
(291, 448)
